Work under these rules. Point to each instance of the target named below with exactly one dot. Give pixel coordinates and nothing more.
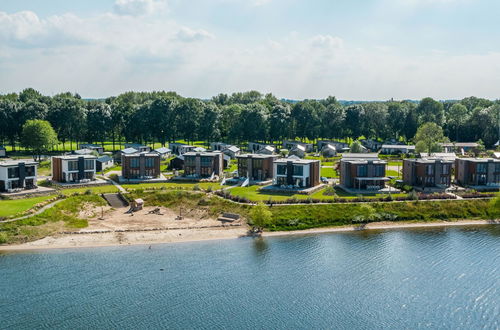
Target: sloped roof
(104, 159)
(163, 150)
(129, 151)
(83, 152)
(233, 149)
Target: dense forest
(166, 116)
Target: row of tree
(166, 116)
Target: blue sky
(372, 49)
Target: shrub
(88, 192)
(412, 195)
(196, 187)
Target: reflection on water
(400, 279)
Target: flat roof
(144, 153)
(430, 160)
(365, 161)
(296, 161)
(17, 161)
(480, 160)
(362, 155)
(397, 146)
(459, 144)
(257, 156)
(75, 156)
(205, 153)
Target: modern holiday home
(396, 149)
(17, 175)
(296, 173)
(259, 148)
(478, 172)
(424, 172)
(74, 168)
(459, 147)
(94, 147)
(141, 166)
(103, 162)
(137, 146)
(308, 147)
(363, 173)
(256, 167)
(203, 164)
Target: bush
(88, 192)
(196, 187)
(412, 195)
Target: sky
(295, 49)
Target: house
(83, 152)
(363, 173)
(177, 163)
(103, 162)
(143, 165)
(231, 151)
(163, 152)
(362, 156)
(298, 150)
(74, 168)
(424, 172)
(181, 148)
(396, 149)
(218, 146)
(203, 164)
(267, 150)
(339, 146)
(328, 150)
(94, 147)
(256, 147)
(371, 145)
(459, 147)
(308, 147)
(138, 147)
(300, 173)
(3, 151)
(256, 167)
(439, 155)
(127, 151)
(17, 174)
(478, 172)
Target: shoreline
(110, 239)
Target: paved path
(46, 207)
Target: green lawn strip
(395, 163)
(329, 172)
(173, 185)
(392, 173)
(61, 216)
(113, 168)
(17, 207)
(293, 217)
(94, 190)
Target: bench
(228, 217)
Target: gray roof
(233, 149)
(163, 150)
(361, 155)
(296, 161)
(75, 157)
(209, 154)
(397, 146)
(17, 161)
(104, 159)
(257, 156)
(199, 149)
(459, 144)
(83, 152)
(129, 151)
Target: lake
(446, 278)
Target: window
(298, 170)
(30, 171)
(446, 169)
(13, 172)
(481, 168)
(380, 170)
(429, 169)
(150, 162)
(281, 170)
(497, 167)
(190, 160)
(134, 162)
(89, 175)
(362, 170)
(89, 164)
(206, 161)
(257, 163)
(73, 165)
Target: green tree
(430, 110)
(260, 216)
(279, 120)
(39, 136)
(457, 117)
(428, 137)
(356, 147)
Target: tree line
(148, 117)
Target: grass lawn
(255, 195)
(392, 173)
(113, 168)
(173, 185)
(44, 168)
(395, 163)
(94, 190)
(11, 208)
(329, 172)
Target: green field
(329, 172)
(93, 190)
(173, 185)
(15, 207)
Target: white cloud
(139, 7)
(327, 41)
(189, 35)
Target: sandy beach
(112, 234)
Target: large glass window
(73, 165)
(30, 171)
(362, 170)
(446, 169)
(89, 164)
(497, 167)
(380, 170)
(429, 169)
(281, 170)
(134, 162)
(257, 163)
(190, 160)
(481, 168)
(298, 170)
(150, 162)
(13, 172)
(206, 161)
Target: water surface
(433, 278)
